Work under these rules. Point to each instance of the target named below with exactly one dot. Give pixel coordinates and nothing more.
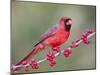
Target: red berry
(90, 30)
(49, 59)
(85, 40)
(52, 63)
(34, 64)
(74, 45)
(50, 56)
(56, 49)
(67, 52)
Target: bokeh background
(31, 19)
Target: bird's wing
(50, 32)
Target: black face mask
(67, 27)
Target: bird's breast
(59, 38)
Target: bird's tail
(37, 48)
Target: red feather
(54, 37)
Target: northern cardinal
(53, 38)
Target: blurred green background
(31, 19)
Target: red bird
(53, 38)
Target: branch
(50, 56)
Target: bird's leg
(56, 49)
